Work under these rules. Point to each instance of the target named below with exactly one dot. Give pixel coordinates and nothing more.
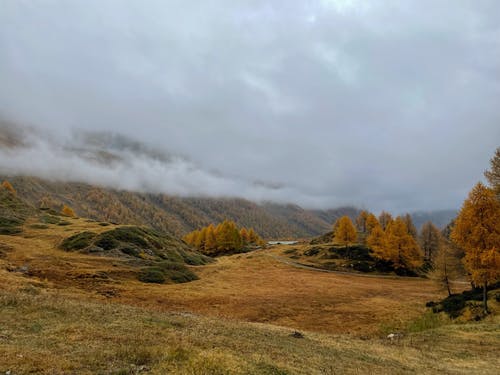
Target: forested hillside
(175, 214)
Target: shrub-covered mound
(163, 256)
(13, 212)
(468, 304)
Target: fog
(384, 105)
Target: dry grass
(61, 317)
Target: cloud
(388, 105)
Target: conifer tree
(371, 222)
(345, 232)
(446, 265)
(361, 221)
(493, 175)
(384, 219)
(8, 186)
(402, 247)
(210, 240)
(429, 240)
(477, 231)
(68, 211)
(377, 242)
(412, 231)
(245, 237)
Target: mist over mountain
(385, 105)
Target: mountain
(440, 218)
(176, 215)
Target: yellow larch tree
(377, 242)
(210, 240)
(477, 231)
(361, 221)
(8, 186)
(345, 232)
(371, 222)
(429, 240)
(402, 248)
(68, 211)
(384, 219)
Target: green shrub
(132, 251)
(133, 235)
(38, 226)
(176, 272)
(78, 241)
(104, 224)
(152, 275)
(49, 219)
(63, 223)
(10, 230)
(362, 266)
(106, 242)
(355, 252)
(312, 251)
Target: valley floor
(69, 313)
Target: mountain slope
(176, 215)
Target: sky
(380, 104)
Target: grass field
(70, 313)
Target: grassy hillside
(76, 312)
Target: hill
(176, 215)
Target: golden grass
(59, 318)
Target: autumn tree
(493, 175)
(377, 242)
(402, 248)
(477, 231)
(68, 211)
(384, 219)
(446, 264)
(228, 236)
(412, 230)
(361, 221)
(345, 232)
(8, 186)
(371, 222)
(210, 240)
(429, 240)
(245, 238)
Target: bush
(362, 266)
(355, 252)
(152, 275)
(133, 235)
(106, 243)
(10, 225)
(312, 251)
(132, 251)
(78, 241)
(195, 259)
(161, 271)
(50, 219)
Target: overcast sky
(380, 104)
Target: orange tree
(477, 231)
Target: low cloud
(387, 105)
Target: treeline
(396, 242)
(224, 238)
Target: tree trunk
(485, 298)
(448, 286)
